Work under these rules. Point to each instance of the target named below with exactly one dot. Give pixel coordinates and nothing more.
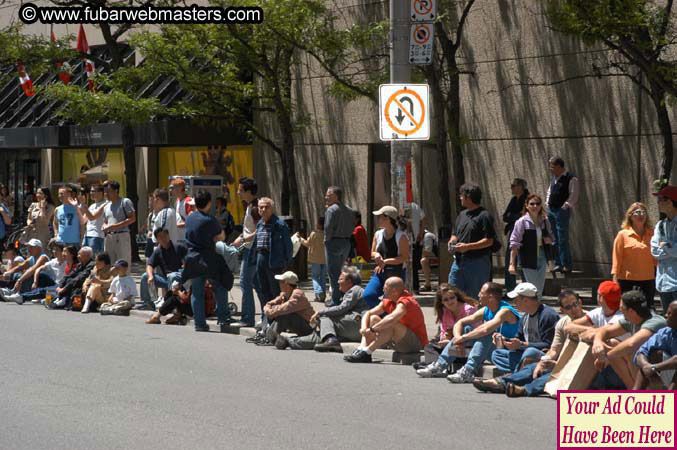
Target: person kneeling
(122, 292)
(403, 324)
(290, 311)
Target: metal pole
(400, 72)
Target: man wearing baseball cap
(664, 246)
(609, 301)
(290, 311)
(535, 333)
(20, 278)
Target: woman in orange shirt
(633, 266)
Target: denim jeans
(374, 289)
(319, 274)
(537, 276)
(446, 358)
(524, 377)
(336, 252)
(666, 299)
(507, 361)
(559, 217)
(249, 281)
(160, 282)
(95, 243)
(469, 274)
(39, 293)
(197, 301)
(270, 287)
(44, 281)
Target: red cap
(611, 292)
(669, 192)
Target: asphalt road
(74, 381)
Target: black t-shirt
(170, 259)
(473, 226)
(201, 229)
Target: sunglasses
(639, 212)
(535, 204)
(448, 299)
(569, 307)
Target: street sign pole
(400, 72)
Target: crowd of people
(79, 257)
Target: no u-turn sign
(403, 112)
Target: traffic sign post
(421, 40)
(404, 112)
(423, 10)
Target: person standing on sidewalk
(471, 243)
(67, 218)
(203, 263)
(249, 281)
(183, 206)
(94, 215)
(118, 214)
(165, 218)
(561, 199)
(339, 222)
(664, 246)
(317, 260)
(513, 211)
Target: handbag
(76, 303)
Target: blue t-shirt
(69, 225)
(508, 330)
(3, 227)
(200, 231)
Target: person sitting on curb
(659, 354)
(500, 319)
(614, 358)
(337, 323)
(54, 269)
(536, 330)
(532, 378)
(290, 311)
(176, 303)
(75, 279)
(403, 324)
(609, 301)
(97, 285)
(122, 292)
(162, 268)
(21, 276)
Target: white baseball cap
(288, 277)
(34, 243)
(525, 289)
(389, 211)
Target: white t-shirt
(417, 216)
(94, 226)
(166, 218)
(598, 319)
(123, 288)
(181, 215)
(248, 225)
(55, 270)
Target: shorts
(410, 343)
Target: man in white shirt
(94, 216)
(609, 301)
(561, 198)
(165, 218)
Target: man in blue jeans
(162, 268)
(249, 281)
(532, 378)
(471, 243)
(536, 330)
(561, 198)
(339, 222)
(203, 263)
(497, 316)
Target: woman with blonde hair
(633, 266)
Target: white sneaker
(17, 298)
(60, 302)
(4, 293)
(37, 301)
(85, 308)
(432, 370)
(462, 375)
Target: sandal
(512, 390)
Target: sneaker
(228, 329)
(330, 345)
(492, 385)
(264, 343)
(144, 307)
(87, 305)
(557, 269)
(358, 356)
(281, 342)
(4, 292)
(241, 324)
(16, 298)
(37, 301)
(204, 329)
(60, 303)
(254, 339)
(432, 370)
(462, 375)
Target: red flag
(83, 47)
(63, 68)
(25, 80)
